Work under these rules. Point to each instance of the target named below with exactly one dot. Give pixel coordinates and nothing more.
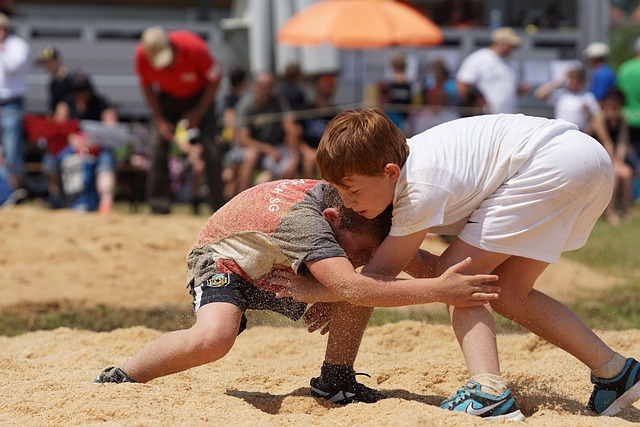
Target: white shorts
(550, 205)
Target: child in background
(571, 101)
(517, 191)
(301, 227)
(613, 133)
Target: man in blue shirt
(603, 77)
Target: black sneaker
(113, 375)
(471, 400)
(338, 385)
(612, 395)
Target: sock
(490, 384)
(612, 368)
(336, 373)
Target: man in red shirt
(179, 78)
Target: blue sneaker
(612, 395)
(469, 399)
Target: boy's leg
(616, 379)
(474, 326)
(542, 314)
(208, 340)
(348, 323)
(486, 394)
(545, 316)
(337, 381)
(526, 306)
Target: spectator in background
(59, 89)
(265, 135)
(238, 85)
(473, 103)
(13, 87)
(60, 77)
(440, 88)
(396, 95)
(570, 100)
(179, 78)
(290, 88)
(92, 185)
(440, 97)
(311, 126)
(603, 77)
(628, 80)
(83, 102)
(489, 71)
(615, 139)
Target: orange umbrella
(357, 24)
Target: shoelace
(461, 395)
(351, 381)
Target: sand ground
(137, 261)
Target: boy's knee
(213, 343)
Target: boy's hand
(467, 291)
(318, 316)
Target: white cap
(157, 47)
(506, 35)
(596, 50)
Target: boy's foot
(611, 395)
(343, 389)
(471, 400)
(113, 375)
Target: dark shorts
(233, 289)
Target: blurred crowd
(215, 130)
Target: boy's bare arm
(423, 264)
(396, 254)
(338, 276)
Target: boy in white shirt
(517, 191)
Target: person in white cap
(603, 77)
(179, 78)
(14, 66)
(489, 71)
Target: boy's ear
(393, 171)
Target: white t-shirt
(494, 77)
(14, 65)
(512, 184)
(574, 107)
